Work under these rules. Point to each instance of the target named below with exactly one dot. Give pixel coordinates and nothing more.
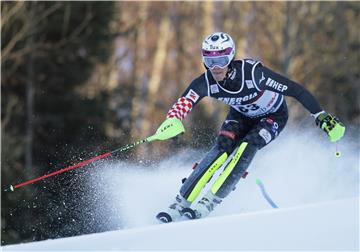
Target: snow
(317, 194)
(332, 225)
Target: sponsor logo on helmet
(214, 37)
(226, 36)
(212, 47)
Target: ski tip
(164, 217)
(258, 181)
(189, 213)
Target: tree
(56, 44)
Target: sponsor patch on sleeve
(192, 95)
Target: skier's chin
(219, 76)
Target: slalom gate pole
(85, 162)
(265, 194)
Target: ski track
(296, 169)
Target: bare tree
(156, 72)
(140, 74)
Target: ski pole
(107, 154)
(337, 151)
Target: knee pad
(200, 176)
(226, 141)
(234, 170)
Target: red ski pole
(107, 154)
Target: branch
(13, 101)
(47, 13)
(28, 28)
(23, 51)
(9, 13)
(73, 36)
(14, 40)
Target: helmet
(218, 49)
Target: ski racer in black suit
(258, 113)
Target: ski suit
(258, 113)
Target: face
(218, 73)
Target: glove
(331, 125)
(171, 127)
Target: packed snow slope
(331, 225)
(317, 194)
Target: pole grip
(152, 138)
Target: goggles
(220, 58)
(212, 62)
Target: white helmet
(218, 49)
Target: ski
(189, 213)
(186, 214)
(164, 217)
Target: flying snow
(298, 168)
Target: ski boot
(203, 208)
(174, 211)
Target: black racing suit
(258, 113)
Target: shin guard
(202, 174)
(232, 173)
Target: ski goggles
(220, 58)
(212, 62)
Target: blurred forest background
(81, 78)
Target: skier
(258, 113)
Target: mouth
(217, 72)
